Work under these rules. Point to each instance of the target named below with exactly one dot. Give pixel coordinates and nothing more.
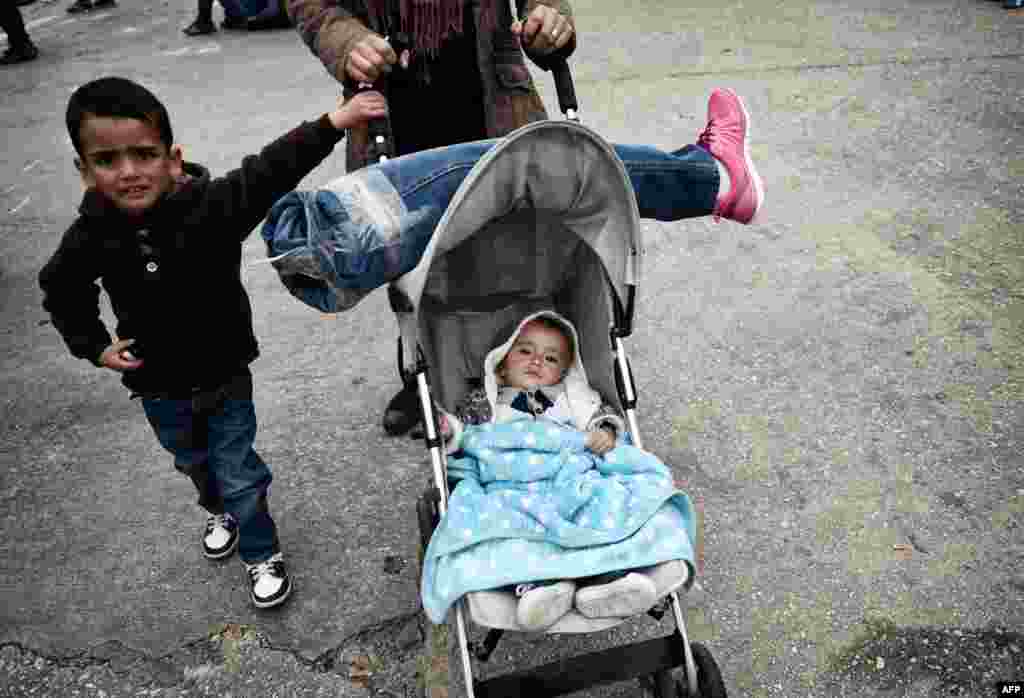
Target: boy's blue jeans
(337, 246)
(210, 435)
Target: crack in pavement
(327, 660)
(390, 642)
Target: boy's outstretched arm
(244, 196)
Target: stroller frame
(655, 658)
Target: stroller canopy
(545, 176)
(547, 218)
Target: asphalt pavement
(841, 382)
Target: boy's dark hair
(118, 98)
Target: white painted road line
(40, 21)
(19, 206)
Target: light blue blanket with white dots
(533, 504)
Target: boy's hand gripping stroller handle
(380, 144)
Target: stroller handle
(381, 144)
(558, 64)
(564, 87)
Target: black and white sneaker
(221, 536)
(269, 584)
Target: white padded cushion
(497, 609)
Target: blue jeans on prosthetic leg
(332, 247)
(210, 434)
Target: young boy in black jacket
(166, 241)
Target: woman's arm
(331, 29)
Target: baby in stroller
(532, 382)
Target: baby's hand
(357, 111)
(599, 441)
(117, 356)
(445, 426)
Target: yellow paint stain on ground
(693, 420)
(882, 618)
(907, 500)
(920, 350)
(744, 584)
(759, 279)
(984, 23)
(758, 467)
(745, 36)
(990, 252)
(432, 668)
(232, 636)
(824, 151)
(870, 550)
(903, 609)
(796, 621)
(860, 115)
(699, 627)
(1014, 509)
(976, 408)
(876, 23)
(954, 555)
(921, 88)
(849, 512)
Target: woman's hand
(544, 31)
(371, 57)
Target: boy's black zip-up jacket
(174, 275)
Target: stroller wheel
(665, 686)
(709, 678)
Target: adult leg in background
(19, 46)
(203, 23)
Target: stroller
(547, 219)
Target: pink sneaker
(725, 137)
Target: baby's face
(539, 356)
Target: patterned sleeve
(474, 408)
